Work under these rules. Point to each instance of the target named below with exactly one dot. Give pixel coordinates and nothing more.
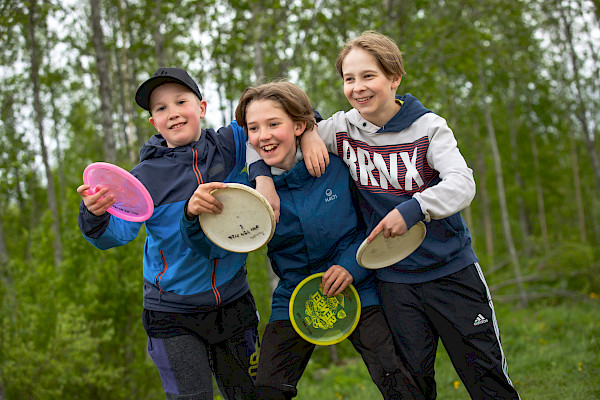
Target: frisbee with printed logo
(382, 252)
(246, 222)
(320, 319)
(132, 200)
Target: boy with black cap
(199, 313)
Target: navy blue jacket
(176, 278)
(317, 228)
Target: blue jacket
(317, 228)
(176, 278)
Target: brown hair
(290, 98)
(382, 47)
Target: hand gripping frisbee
(320, 319)
(246, 223)
(382, 252)
(132, 200)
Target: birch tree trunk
(582, 109)
(102, 69)
(539, 191)
(521, 206)
(577, 190)
(39, 119)
(59, 157)
(125, 75)
(501, 192)
(157, 36)
(485, 200)
(257, 36)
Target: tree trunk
(39, 117)
(539, 191)
(259, 66)
(157, 36)
(577, 190)
(485, 200)
(125, 75)
(4, 272)
(582, 109)
(59, 161)
(514, 151)
(501, 193)
(110, 152)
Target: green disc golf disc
(320, 319)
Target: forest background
(517, 80)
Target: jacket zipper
(195, 167)
(158, 277)
(214, 268)
(214, 285)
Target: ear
(396, 82)
(203, 105)
(151, 120)
(299, 127)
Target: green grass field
(553, 352)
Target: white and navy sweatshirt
(412, 163)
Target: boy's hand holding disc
(335, 280)
(97, 203)
(384, 251)
(203, 201)
(109, 188)
(239, 219)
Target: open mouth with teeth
(269, 148)
(364, 99)
(179, 125)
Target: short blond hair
(382, 47)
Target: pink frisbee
(132, 200)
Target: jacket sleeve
(347, 259)
(256, 165)
(195, 238)
(457, 187)
(328, 129)
(106, 231)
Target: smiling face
(367, 88)
(176, 114)
(273, 133)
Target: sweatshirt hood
(411, 110)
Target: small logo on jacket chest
(330, 196)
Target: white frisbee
(246, 223)
(382, 252)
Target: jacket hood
(411, 110)
(156, 147)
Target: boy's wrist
(188, 216)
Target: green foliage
(73, 330)
(547, 359)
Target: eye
(348, 79)
(180, 102)
(161, 108)
(252, 129)
(273, 124)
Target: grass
(553, 352)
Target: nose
(173, 113)
(264, 134)
(359, 85)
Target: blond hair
(382, 47)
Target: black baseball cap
(161, 76)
